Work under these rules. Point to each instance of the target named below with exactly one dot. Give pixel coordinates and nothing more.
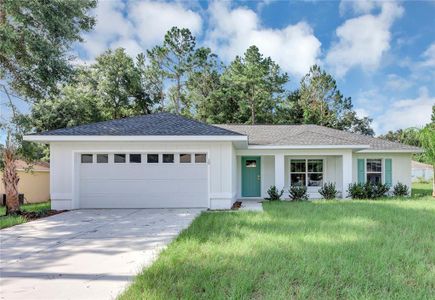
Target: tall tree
(35, 39)
(202, 83)
(152, 79)
(113, 87)
(175, 60)
(76, 104)
(409, 136)
(251, 88)
(323, 104)
(10, 178)
(117, 81)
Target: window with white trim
(119, 158)
(87, 158)
(152, 158)
(185, 158)
(200, 158)
(102, 158)
(374, 170)
(168, 158)
(135, 158)
(306, 172)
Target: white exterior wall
(332, 168)
(401, 166)
(64, 162)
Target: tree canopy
(35, 39)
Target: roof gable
(159, 124)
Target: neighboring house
(421, 171)
(34, 181)
(165, 160)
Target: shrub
(378, 190)
(298, 193)
(274, 194)
(400, 190)
(328, 191)
(367, 190)
(356, 191)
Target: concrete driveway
(84, 254)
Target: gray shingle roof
(310, 135)
(154, 124)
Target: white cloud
(111, 25)
(153, 19)
(397, 83)
(429, 56)
(232, 31)
(407, 113)
(357, 7)
(362, 41)
(136, 26)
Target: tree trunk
(252, 113)
(178, 100)
(10, 181)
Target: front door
(251, 179)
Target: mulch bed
(236, 205)
(31, 215)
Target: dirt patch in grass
(236, 205)
(34, 215)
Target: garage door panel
(186, 186)
(143, 185)
(143, 172)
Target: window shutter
(361, 171)
(388, 171)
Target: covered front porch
(258, 170)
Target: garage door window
(87, 158)
(102, 158)
(152, 158)
(119, 158)
(185, 158)
(200, 158)
(135, 158)
(168, 158)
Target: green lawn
(382, 249)
(421, 189)
(8, 221)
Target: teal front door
(251, 179)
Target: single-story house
(34, 181)
(167, 161)
(421, 171)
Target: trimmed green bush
(367, 190)
(328, 191)
(298, 193)
(400, 190)
(274, 194)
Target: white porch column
(347, 172)
(279, 171)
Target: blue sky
(382, 53)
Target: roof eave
(353, 147)
(391, 151)
(132, 138)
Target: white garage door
(138, 180)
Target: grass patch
(38, 208)
(421, 189)
(380, 249)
